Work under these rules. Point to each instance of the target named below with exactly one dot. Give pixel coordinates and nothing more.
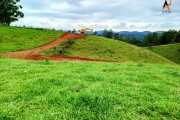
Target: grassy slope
(103, 48)
(171, 52)
(14, 38)
(74, 90)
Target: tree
(116, 36)
(135, 41)
(148, 40)
(69, 31)
(9, 11)
(151, 39)
(168, 37)
(73, 31)
(109, 33)
(95, 33)
(121, 37)
(177, 37)
(105, 33)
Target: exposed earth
(35, 54)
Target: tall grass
(89, 90)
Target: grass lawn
(171, 52)
(18, 38)
(46, 90)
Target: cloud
(121, 25)
(100, 14)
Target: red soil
(34, 54)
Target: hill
(21, 38)
(170, 51)
(88, 90)
(34, 54)
(96, 47)
(92, 47)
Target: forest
(152, 39)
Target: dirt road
(35, 54)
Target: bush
(139, 64)
(178, 49)
(47, 61)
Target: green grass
(18, 38)
(171, 52)
(102, 48)
(46, 90)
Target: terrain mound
(35, 54)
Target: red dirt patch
(34, 54)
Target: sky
(118, 15)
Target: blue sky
(119, 15)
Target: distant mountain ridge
(100, 32)
(132, 33)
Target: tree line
(167, 37)
(152, 39)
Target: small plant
(47, 61)
(139, 64)
(70, 42)
(55, 51)
(61, 52)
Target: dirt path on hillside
(35, 54)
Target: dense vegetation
(171, 52)
(96, 47)
(74, 90)
(168, 37)
(21, 38)
(9, 11)
(115, 35)
(152, 39)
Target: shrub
(178, 49)
(139, 64)
(47, 61)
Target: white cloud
(100, 14)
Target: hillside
(34, 54)
(102, 48)
(88, 90)
(21, 38)
(171, 51)
(46, 89)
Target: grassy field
(171, 52)
(45, 90)
(88, 90)
(19, 38)
(102, 48)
